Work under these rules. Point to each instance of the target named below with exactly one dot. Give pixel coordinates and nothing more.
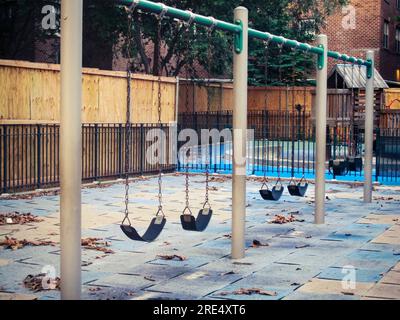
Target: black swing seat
(273, 194)
(190, 223)
(152, 232)
(339, 167)
(355, 164)
(297, 190)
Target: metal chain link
(209, 53)
(161, 151)
(187, 178)
(266, 60)
(128, 115)
(280, 46)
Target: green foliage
(106, 29)
(298, 19)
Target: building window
(398, 39)
(398, 4)
(386, 35)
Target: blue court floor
(354, 255)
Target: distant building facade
(368, 25)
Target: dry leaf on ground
(257, 244)
(96, 244)
(250, 291)
(18, 218)
(171, 257)
(41, 282)
(15, 244)
(281, 219)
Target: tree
(106, 33)
(20, 27)
(298, 19)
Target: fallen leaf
(96, 244)
(15, 244)
(18, 218)
(257, 244)
(281, 219)
(35, 282)
(250, 291)
(171, 257)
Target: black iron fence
(284, 144)
(30, 154)
(387, 151)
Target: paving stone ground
(302, 261)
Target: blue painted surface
(362, 275)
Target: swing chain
(189, 23)
(134, 5)
(128, 115)
(163, 12)
(208, 156)
(266, 59)
(160, 152)
(127, 147)
(187, 154)
(214, 24)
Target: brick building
(366, 25)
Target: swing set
(298, 189)
(70, 134)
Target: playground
(293, 260)
(119, 185)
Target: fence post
(71, 148)
(142, 149)
(321, 102)
(369, 128)
(120, 151)
(240, 68)
(377, 154)
(39, 159)
(96, 149)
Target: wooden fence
(193, 97)
(30, 93)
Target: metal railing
(285, 141)
(387, 151)
(30, 154)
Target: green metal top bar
(183, 15)
(159, 8)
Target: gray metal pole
(240, 66)
(369, 131)
(71, 148)
(320, 112)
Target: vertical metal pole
(240, 66)
(177, 88)
(369, 130)
(71, 148)
(320, 112)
